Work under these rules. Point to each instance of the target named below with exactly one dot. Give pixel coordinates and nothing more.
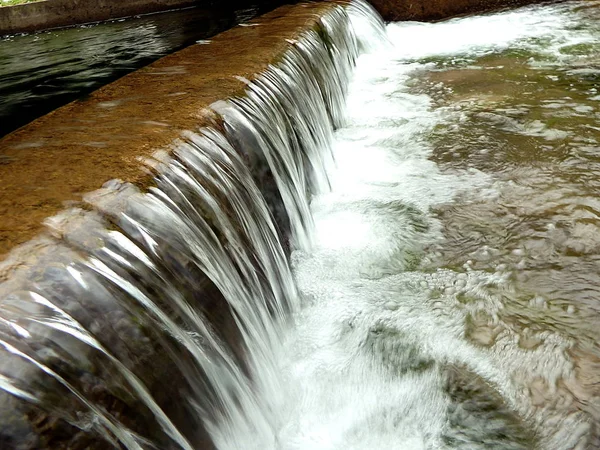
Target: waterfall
(141, 320)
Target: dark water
(43, 71)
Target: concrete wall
(59, 13)
(393, 10)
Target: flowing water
(426, 277)
(452, 298)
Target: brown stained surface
(53, 161)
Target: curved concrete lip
(50, 164)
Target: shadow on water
(43, 71)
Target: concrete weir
(46, 168)
(143, 261)
(53, 161)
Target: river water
(452, 296)
(40, 72)
(442, 286)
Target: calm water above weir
(442, 285)
(42, 71)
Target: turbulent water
(442, 286)
(452, 297)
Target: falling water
(147, 319)
(421, 278)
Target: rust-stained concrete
(53, 161)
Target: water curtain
(140, 321)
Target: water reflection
(40, 72)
